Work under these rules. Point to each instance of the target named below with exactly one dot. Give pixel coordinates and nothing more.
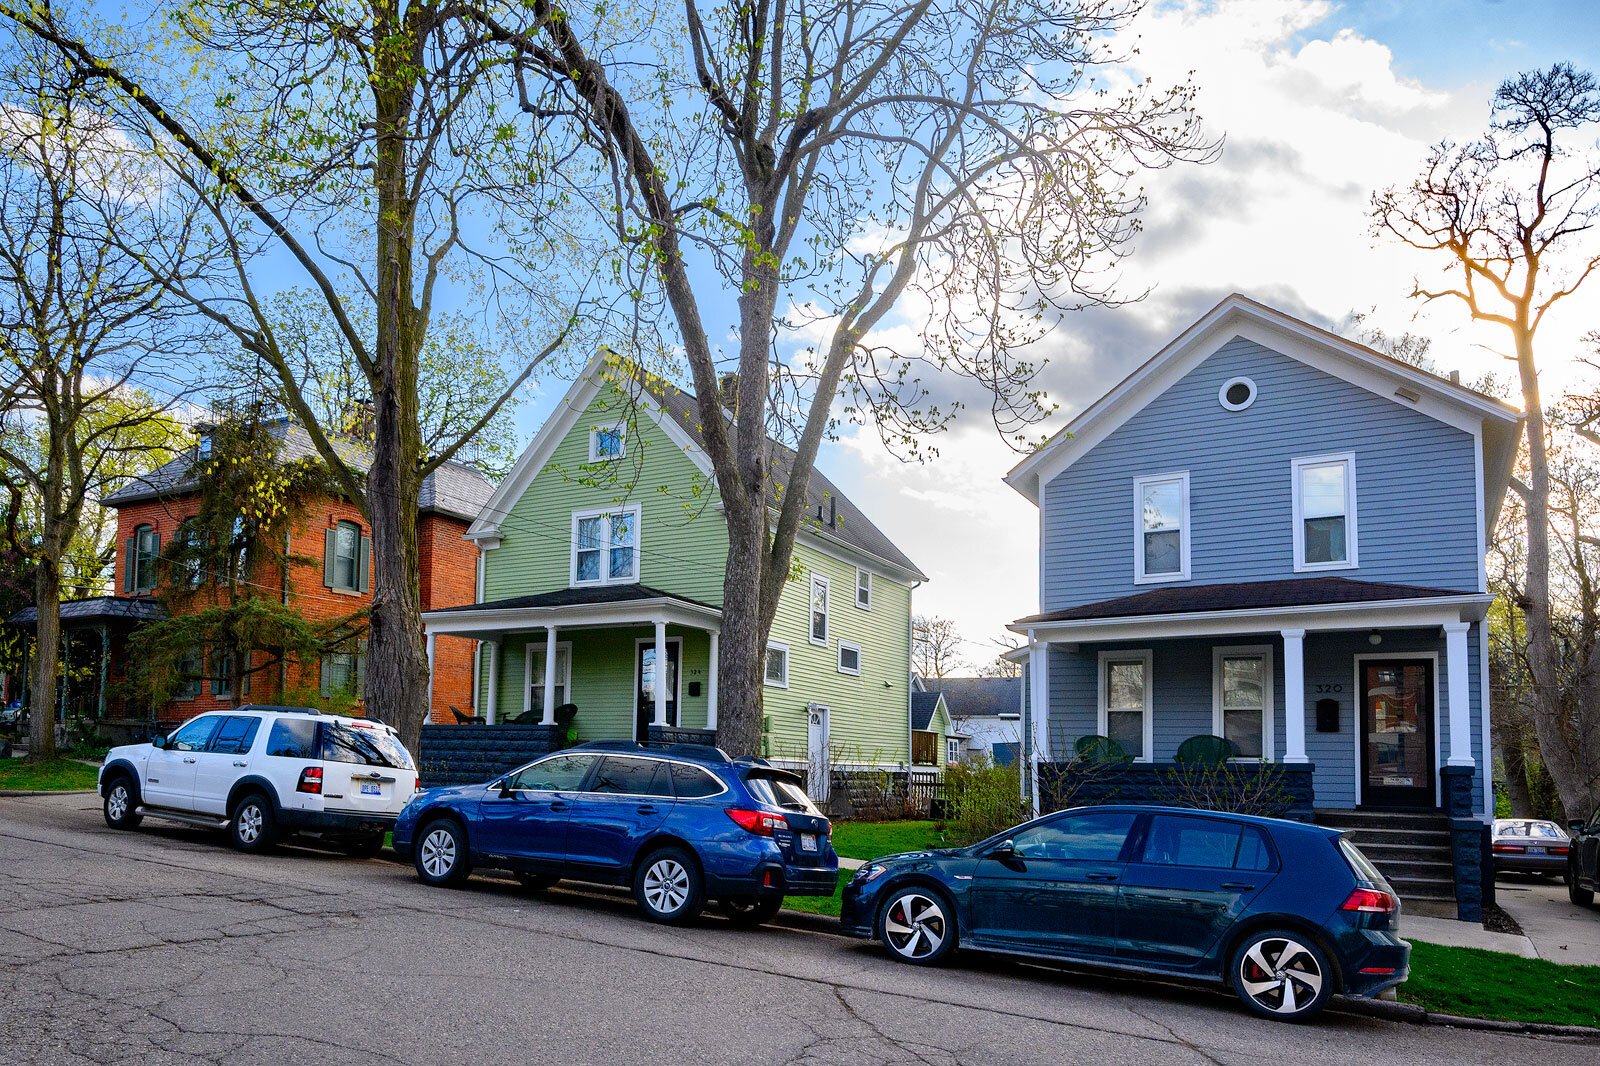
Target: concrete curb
(1415, 1015)
(6, 793)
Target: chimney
(1455, 377)
(728, 390)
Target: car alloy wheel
(439, 853)
(249, 824)
(252, 824)
(1280, 976)
(915, 927)
(666, 885)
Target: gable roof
(455, 489)
(678, 414)
(1493, 421)
(924, 705)
(979, 697)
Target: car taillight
(1369, 901)
(1557, 849)
(760, 823)
(1509, 849)
(419, 785)
(310, 781)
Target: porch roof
(97, 610)
(1309, 602)
(600, 605)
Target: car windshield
(780, 792)
(370, 745)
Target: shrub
(981, 799)
(1254, 788)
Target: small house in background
(1266, 546)
(934, 742)
(985, 716)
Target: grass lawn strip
(1475, 983)
(866, 840)
(57, 775)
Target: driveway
(1559, 929)
(162, 946)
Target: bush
(982, 799)
(1237, 788)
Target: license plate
(1535, 851)
(808, 842)
(372, 790)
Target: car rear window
(293, 738)
(369, 746)
(236, 735)
(780, 792)
(619, 775)
(1360, 863)
(691, 782)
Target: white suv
(265, 772)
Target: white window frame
(827, 610)
(863, 572)
(952, 749)
(772, 646)
(1351, 562)
(1139, 483)
(605, 547)
(1103, 693)
(619, 429)
(1269, 741)
(535, 649)
(839, 658)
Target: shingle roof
(923, 704)
(579, 597)
(850, 523)
(1242, 596)
(979, 697)
(98, 609)
(455, 489)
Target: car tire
(536, 882)
(917, 925)
(442, 857)
(1282, 974)
(121, 804)
(366, 847)
(668, 886)
(252, 824)
(1580, 896)
(749, 912)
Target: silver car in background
(1530, 846)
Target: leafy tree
(1510, 217)
(809, 170)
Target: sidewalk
(1559, 930)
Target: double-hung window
(605, 547)
(535, 672)
(819, 609)
(777, 675)
(1161, 528)
(863, 589)
(346, 558)
(143, 547)
(1325, 512)
(1242, 699)
(1125, 701)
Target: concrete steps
(1410, 849)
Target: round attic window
(1237, 393)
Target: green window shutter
(155, 554)
(364, 565)
(329, 541)
(325, 684)
(361, 668)
(132, 563)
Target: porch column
(1459, 694)
(429, 716)
(549, 717)
(1294, 695)
(105, 665)
(1039, 706)
(493, 708)
(661, 673)
(711, 684)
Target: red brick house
(329, 577)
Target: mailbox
(1327, 716)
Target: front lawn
(869, 840)
(57, 775)
(828, 905)
(1490, 984)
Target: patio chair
(1098, 749)
(462, 718)
(1206, 750)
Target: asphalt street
(163, 946)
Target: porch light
(1374, 638)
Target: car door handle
(649, 808)
(188, 760)
(1100, 877)
(236, 763)
(1240, 886)
(558, 805)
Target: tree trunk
(742, 652)
(1511, 728)
(46, 658)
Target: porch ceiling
(573, 608)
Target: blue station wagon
(1286, 914)
(681, 824)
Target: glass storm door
(648, 676)
(1397, 764)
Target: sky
(1320, 103)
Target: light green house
(603, 551)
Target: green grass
(828, 905)
(57, 775)
(1490, 984)
(868, 840)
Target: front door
(645, 670)
(1397, 757)
(818, 765)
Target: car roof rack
(278, 708)
(703, 752)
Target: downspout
(911, 639)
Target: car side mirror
(1575, 827)
(1003, 850)
(158, 742)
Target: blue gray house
(1271, 534)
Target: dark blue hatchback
(1286, 914)
(680, 824)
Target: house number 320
(1330, 688)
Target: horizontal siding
(1415, 480)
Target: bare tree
(809, 168)
(935, 647)
(85, 334)
(1511, 216)
(372, 148)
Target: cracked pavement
(163, 946)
